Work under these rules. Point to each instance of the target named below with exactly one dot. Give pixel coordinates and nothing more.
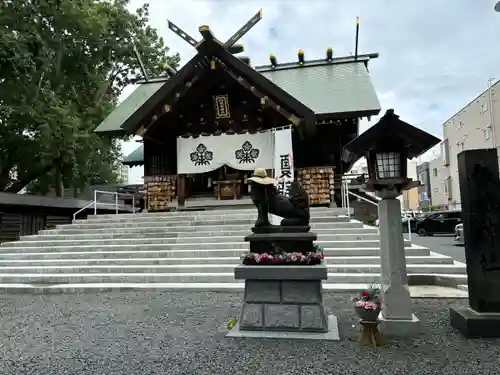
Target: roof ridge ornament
(207, 34)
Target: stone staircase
(196, 250)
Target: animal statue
(294, 209)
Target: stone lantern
(387, 146)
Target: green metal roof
(113, 123)
(136, 157)
(342, 85)
(328, 88)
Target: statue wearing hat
(294, 210)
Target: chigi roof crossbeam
(230, 44)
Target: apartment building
(123, 172)
(424, 190)
(409, 198)
(437, 177)
(473, 127)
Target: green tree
(63, 65)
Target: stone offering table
(283, 298)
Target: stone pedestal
(284, 301)
(479, 187)
(396, 319)
(289, 239)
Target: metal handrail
(116, 194)
(81, 209)
(345, 202)
(94, 202)
(363, 198)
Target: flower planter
(286, 259)
(367, 315)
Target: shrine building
(205, 127)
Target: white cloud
(435, 56)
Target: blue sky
(435, 56)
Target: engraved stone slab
(281, 316)
(251, 316)
(301, 291)
(313, 318)
(262, 291)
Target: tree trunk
(59, 184)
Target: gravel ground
(153, 332)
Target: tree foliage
(63, 65)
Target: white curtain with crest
(239, 151)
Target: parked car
(439, 222)
(459, 234)
(413, 217)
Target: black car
(439, 222)
(414, 218)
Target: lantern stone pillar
(387, 146)
(396, 318)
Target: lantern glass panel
(388, 165)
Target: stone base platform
(475, 325)
(288, 239)
(283, 298)
(331, 335)
(399, 327)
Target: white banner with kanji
(283, 164)
(239, 151)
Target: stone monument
(479, 191)
(282, 301)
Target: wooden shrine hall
(218, 101)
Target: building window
(460, 124)
(484, 108)
(434, 172)
(460, 146)
(436, 190)
(487, 132)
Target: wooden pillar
(181, 190)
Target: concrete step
(180, 227)
(243, 211)
(177, 222)
(214, 215)
(353, 226)
(347, 233)
(225, 218)
(187, 277)
(155, 252)
(324, 240)
(331, 260)
(212, 268)
(162, 243)
(213, 238)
